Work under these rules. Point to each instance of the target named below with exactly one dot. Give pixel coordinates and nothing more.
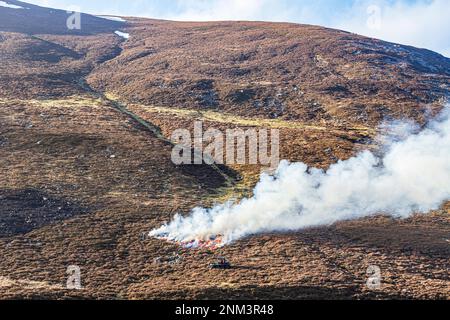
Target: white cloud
(204, 10)
(423, 24)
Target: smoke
(412, 176)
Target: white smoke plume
(413, 176)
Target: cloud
(204, 10)
(422, 24)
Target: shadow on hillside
(283, 293)
(22, 211)
(208, 177)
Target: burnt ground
(81, 181)
(26, 210)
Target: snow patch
(11, 6)
(122, 34)
(112, 18)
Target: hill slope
(273, 70)
(85, 164)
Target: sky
(421, 23)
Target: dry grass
(230, 119)
(83, 176)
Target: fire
(213, 243)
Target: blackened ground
(22, 211)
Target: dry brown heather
(271, 70)
(86, 169)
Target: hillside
(85, 121)
(271, 70)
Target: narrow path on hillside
(148, 126)
(122, 108)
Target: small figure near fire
(221, 263)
